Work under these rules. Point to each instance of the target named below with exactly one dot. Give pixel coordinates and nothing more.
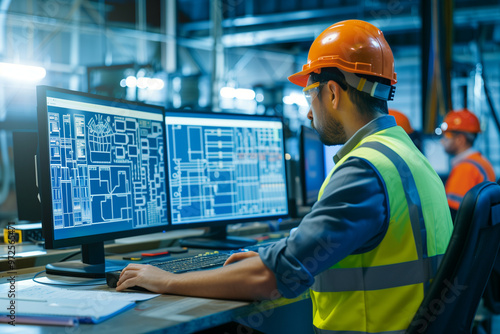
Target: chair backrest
(452, 299)
(491, 296)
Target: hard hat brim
(300, 78)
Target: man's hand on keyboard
(146, 276)
(240, 256)
(249, 279)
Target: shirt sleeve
(351, 217)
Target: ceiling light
(22, 72)
(227, 92)
(244, 94)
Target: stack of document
(31, 302)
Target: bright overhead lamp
(142, 83)
(295, 98)
(227, 92)
(20, 72)
(244, 94)
(239, 93)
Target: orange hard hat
(461, 120)
(402, 120)
(353, 46)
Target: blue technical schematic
(224, 172)
(106, 169)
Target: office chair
(453, 297)
(491, 296)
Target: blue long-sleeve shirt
(350, 218)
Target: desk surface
(175, 314)
(178, 314)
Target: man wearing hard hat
(402, 121)
(460, 129)
(381, 224)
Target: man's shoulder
(477, 156)
(478, 162)
(355, 168)
(470, 166)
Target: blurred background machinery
(235, 56)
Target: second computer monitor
(225, 168)
(312, 165)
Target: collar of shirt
(376, 125)
(462, 156)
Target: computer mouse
(112, 278)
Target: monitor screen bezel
(303, 174)
(44, 177)
(228, 221)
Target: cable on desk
(35, 242)
(70, 256)
(100, 281)
(78, 252)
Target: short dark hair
(366, 103)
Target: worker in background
(460, 129)
(381, 218)
(404, 122)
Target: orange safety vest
(466, 174)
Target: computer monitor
(24, 147)
(312, 165)
(224, 169)
(101, 174)
(437, 156)
(329, 153)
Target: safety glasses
(311, 92)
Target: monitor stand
(92, 265)
(217, 238)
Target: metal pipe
(4, 7)
(142, 51)
(217, 53)
(4, 185)
(74, 50)
(169, 58)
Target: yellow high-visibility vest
(379, 291)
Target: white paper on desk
(28, 289)
(86, 310)
(131, 296)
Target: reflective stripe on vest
(377, 278)
(379, 291)
(398, 274)
(411, 193)
(326, 331)
(454, 197)
(457, 198)
(479, 167)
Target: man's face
(449, 142)
(323, 117)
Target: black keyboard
(191, 263)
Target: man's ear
(462, 139)
(335, 91)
